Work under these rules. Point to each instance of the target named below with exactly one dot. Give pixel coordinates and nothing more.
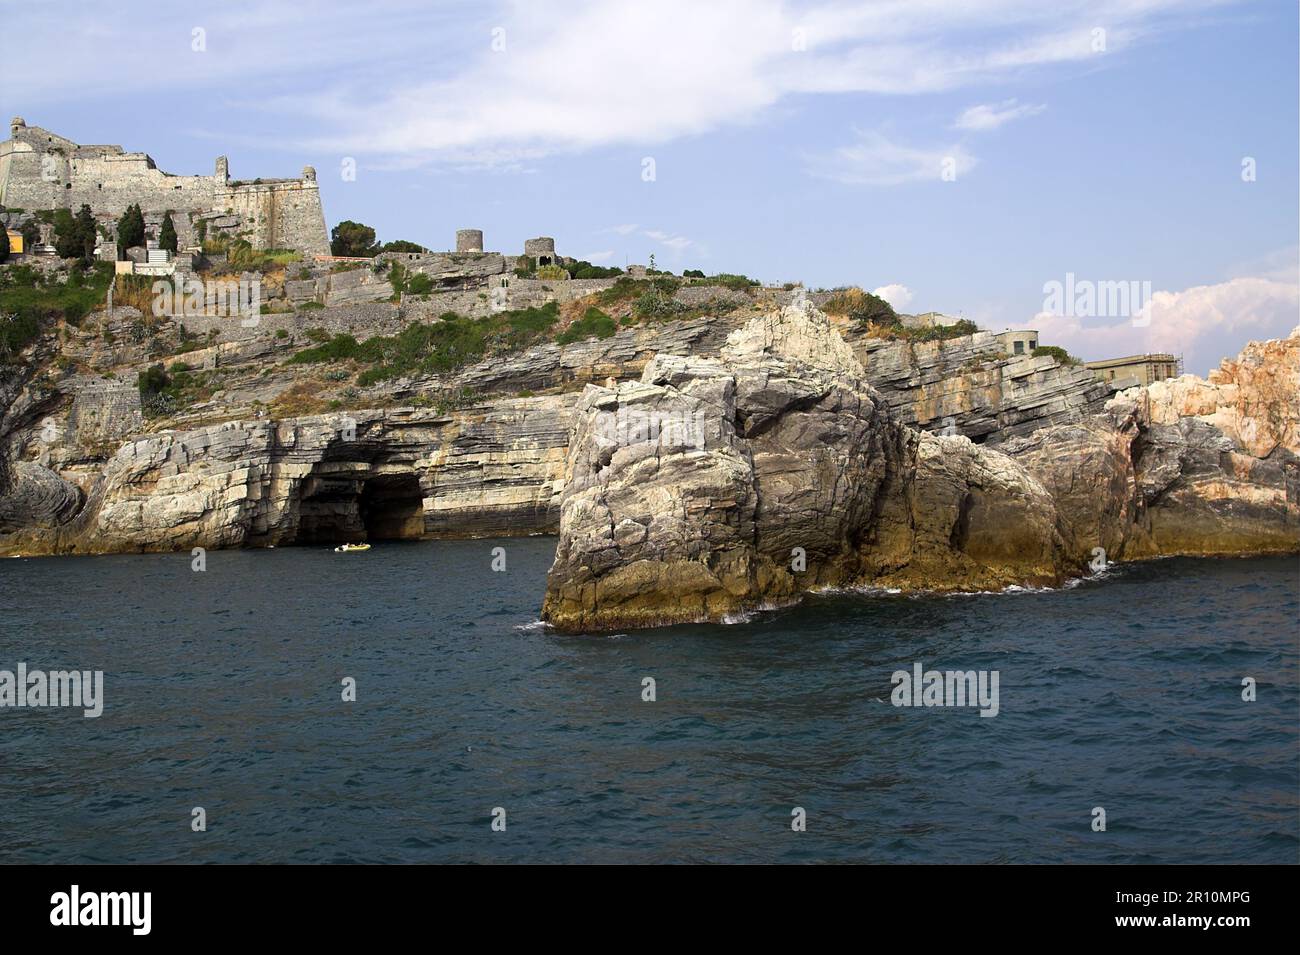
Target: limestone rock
(397, 473)
(967, 386)
(715, 486)
(37, 498)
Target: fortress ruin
(41, 170)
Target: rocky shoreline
(724, 465)
(799, 479)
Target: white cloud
(899, 296)
(406, 79)
(675, 242)
(1204, 324)
(632, 72)
(992, 115)
(669, 240)
(876, 161)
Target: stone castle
(42, 170)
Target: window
(1019, 348)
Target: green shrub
(31, 302)
(657, 304)
(864, 308)
(940, 333)
(737, 283)
(1057, 352)
(338, 348)
(419, 284)
(585, 270)
(593, 324)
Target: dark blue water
(223, 691)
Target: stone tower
(542, 249)
(469, 240)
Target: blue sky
(791, 141)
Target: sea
(405, 705)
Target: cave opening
(392, 507)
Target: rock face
(967, 386)
(728, 463)
(716, 486)
(404, 473)
(37, 498)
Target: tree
(167, 234)
(350, 238)
(31, 231)
(67, 241)
(403, 245)
(87, 230)
(130, 230)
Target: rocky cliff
(968, 386)
(403, 473)
(712, 464)
(715, 486)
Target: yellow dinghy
(349, 548)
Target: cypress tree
(167, 234)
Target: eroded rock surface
(714, 486)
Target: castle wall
(40, 170)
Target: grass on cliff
(32, 300)
(450, 343)
(166, 391)
(241, 256)
(593, 324)
(1057, 352)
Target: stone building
(542, 249)
(1136, 369)
(1021, 341)
(42, 170)
(469, 240)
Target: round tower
(308, 173)
(542, 249)
(16, 124)
(469, 240)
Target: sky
(972, 157)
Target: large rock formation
(715, 486)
